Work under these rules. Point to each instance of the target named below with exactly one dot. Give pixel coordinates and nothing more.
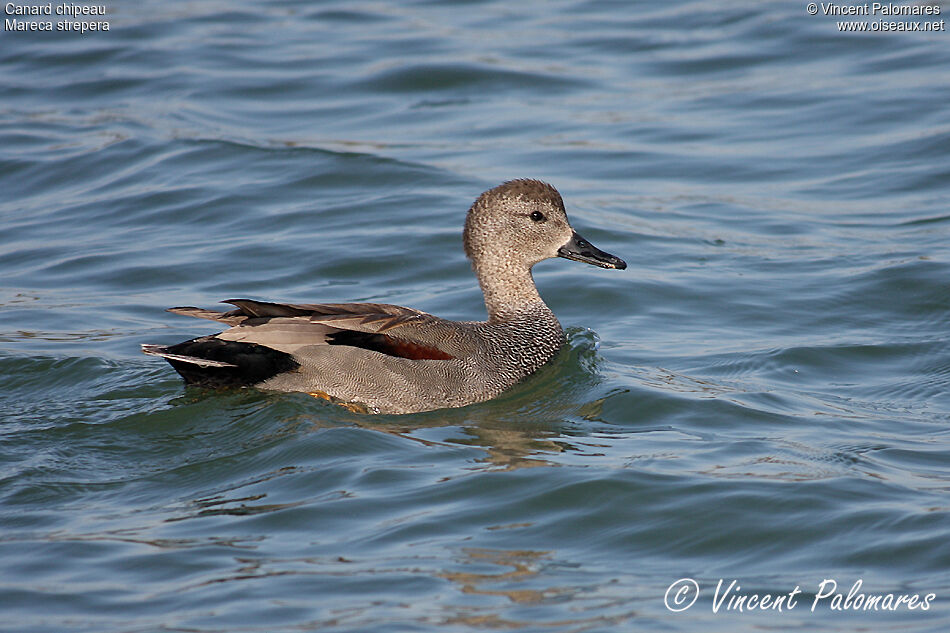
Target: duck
(389, 359)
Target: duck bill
(579, 249)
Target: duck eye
(537, 216)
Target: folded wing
(384, 328)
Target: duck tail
(162, 352)
(234, 317)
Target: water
(761, 397)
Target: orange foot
(350, 406)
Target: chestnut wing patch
(387, 345)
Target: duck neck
(510, 292)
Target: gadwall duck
(381, 358)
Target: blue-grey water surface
(762, 396)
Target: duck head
(522, 222)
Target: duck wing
(385, 328)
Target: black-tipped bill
(579, 249)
